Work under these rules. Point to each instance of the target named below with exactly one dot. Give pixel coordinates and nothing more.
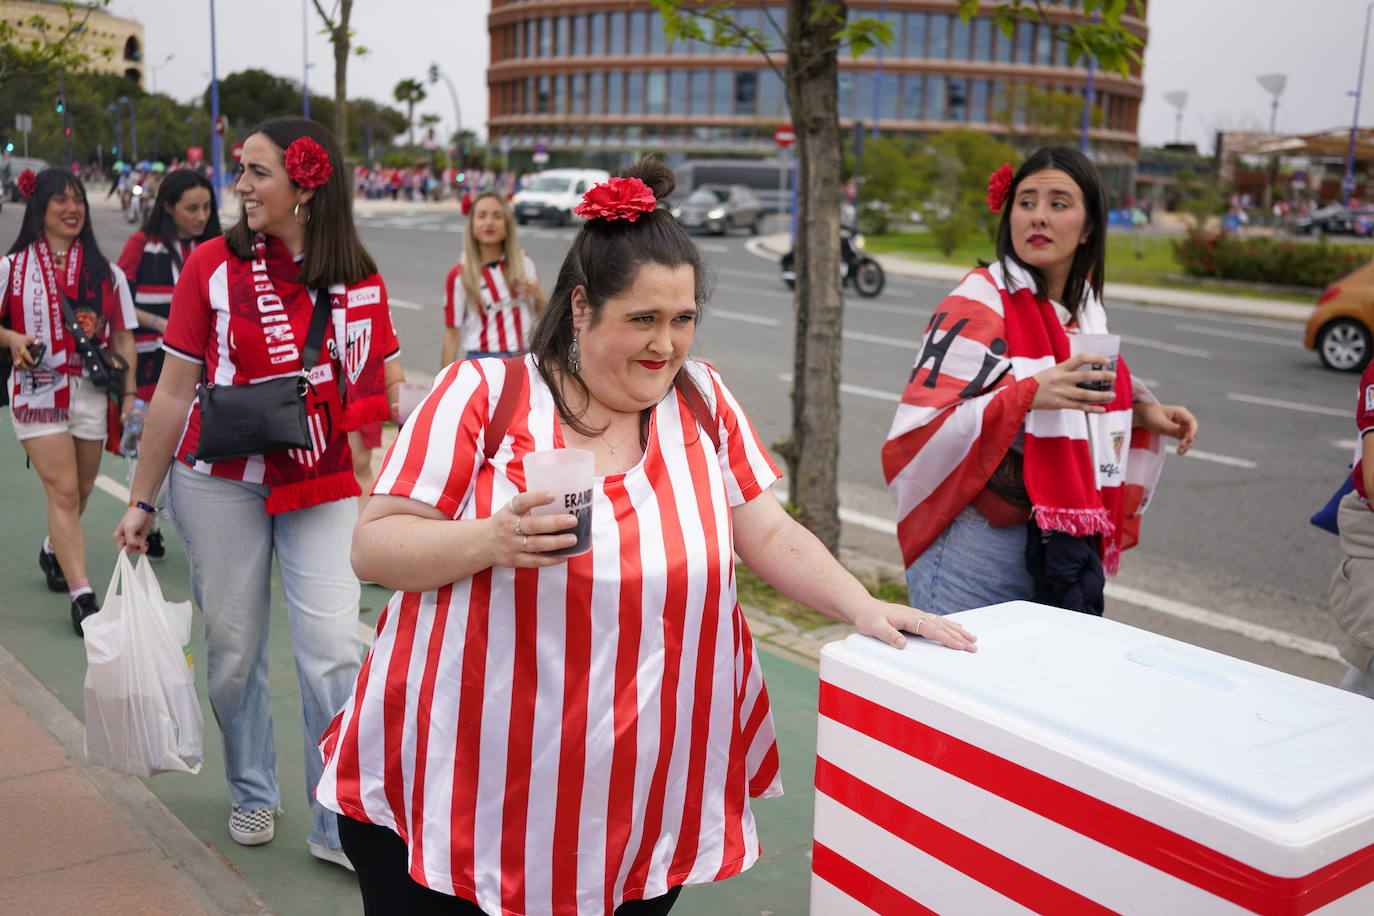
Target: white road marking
(900, 343)
(1227, 460)
(1225, 622)
(1148, 600)
(858, 390)
(1147, 382)
(1240, 335)
(407, 304)
(713, 247)
(1168, 348)
(109, 485)
(743, 316)
(1345, 444)
(1290, 405)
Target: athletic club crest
(1369, 397)
(1118, 440)
(357, 344)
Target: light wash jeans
(230, 541)
(971, 564)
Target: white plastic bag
(142, 713)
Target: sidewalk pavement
(1246, 306)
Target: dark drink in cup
(567, 473)
(1108, 345)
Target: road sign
(784, 136)
(194, 154)
(23, 123)
(541, 154)
(540, 148)
(236, 151)
(221, 125)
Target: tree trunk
(812, 451)
(341, 49)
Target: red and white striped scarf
(35, 308)
(968, 398)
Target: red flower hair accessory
(999, 185)
(307, 164)
(619, 198)
(28, 183)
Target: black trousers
(379, 856)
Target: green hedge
(1262, 260)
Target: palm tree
(410, 93)
(429, 122)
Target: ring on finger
(518, 519)
(525, 543)
(919, 623)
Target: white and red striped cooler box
(1078, 765)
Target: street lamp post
(119, 131)
(435, 74)
(216, 139)
(157, 149)
(133, 126)
(1273, 83)
(1177, 98)
(1348, 182)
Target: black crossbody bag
(105, 368)
(261, 417)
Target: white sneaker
(252, 828)
(337, 856)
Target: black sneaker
(157, 551)
(47, 561)
(83, 606)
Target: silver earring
(296, 215)
(575, 357)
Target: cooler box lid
(1287, 758)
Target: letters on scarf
(265, 295)
(969, 396)
(35, 309)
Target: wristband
(140, 504)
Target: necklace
(623, 439)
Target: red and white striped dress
(498, 324)
(560, 740)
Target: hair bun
(655, 173)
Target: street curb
(1241, 306)
(205, 875)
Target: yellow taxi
(1340, 327)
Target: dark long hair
(604, 259)
(161, 225)
(94, 266)
(333, 251)
(1090, 260)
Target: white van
(552, 195)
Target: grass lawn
(1154, 267)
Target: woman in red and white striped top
(537, 735)
(495, 287)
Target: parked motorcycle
(857, 269)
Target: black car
(720, 208)
(1336, 221)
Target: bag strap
(505, 405)
(315, 336)
(73, 326)
(697, 404)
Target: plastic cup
(408, 398)
(1108, 345)
(568, 474)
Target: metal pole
(435, 73)
(858, 167)
(216, 141)
(157, 146)
(133, 126)
(119, 132)
(1348, 182)
(878, 76)
(1088, 110)
(66, 113)
(305, 60)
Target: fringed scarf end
(289, 497)
(372, 409)
(1077, 522)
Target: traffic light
(61, 104)
(9, 146)
(461, 177)
(434, 73)
(66, 131)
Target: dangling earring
(296, 215)
(575, 357)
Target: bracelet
(129, 394)
(140, 504)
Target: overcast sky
(1213, 49)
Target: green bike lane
(35, 628)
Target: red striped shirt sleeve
(451, 296)
(390, 345)
(438, 452)
(188, 322)
(132, 255)
(748, 468)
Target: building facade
(595, 81)
(115, 44)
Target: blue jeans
(971, 564)
(230, 541)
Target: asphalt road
(1228, 529)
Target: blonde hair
(471, 275)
